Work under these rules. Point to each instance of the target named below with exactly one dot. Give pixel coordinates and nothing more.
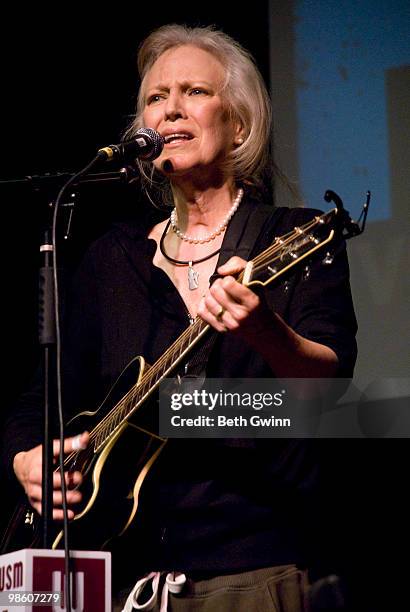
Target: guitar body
(113, 474)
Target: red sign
(87, 583)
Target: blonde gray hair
(244, 92)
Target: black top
(210, 505)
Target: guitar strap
(240, 239)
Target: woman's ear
(238, 135)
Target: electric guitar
(125, 422)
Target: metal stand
(47, 340)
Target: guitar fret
(118, 417)
(131, 402)
(166, 364)
(182, 347)
(109, 428)
(104, 434)
(125, 409)
(191, 333)
(98, 439)
(142, 389)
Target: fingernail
(78, 444)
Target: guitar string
(272, 260)
(170, 353)
(302, 235)
(284, 240)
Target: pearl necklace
(221, 227)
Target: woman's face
(183, 103)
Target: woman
(230, 515)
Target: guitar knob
(29, 518)
(328, 259)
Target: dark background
(69, 85)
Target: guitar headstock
(303, 242)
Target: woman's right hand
(27, 466)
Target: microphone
(147, 144)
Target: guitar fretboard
(150, 380)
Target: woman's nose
(174, 107)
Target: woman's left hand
(230, 306)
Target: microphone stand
(46, 324)
(47, 340)
(46, 314)
(50, 336)
(47, 331)
(73, 179)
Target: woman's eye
(196, 91)
(154, 98)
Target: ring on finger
(220, 314)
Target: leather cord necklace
(193, 275)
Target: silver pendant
(192, 277)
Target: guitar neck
(150, 380)
(173, 356)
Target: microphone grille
(156, 140)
